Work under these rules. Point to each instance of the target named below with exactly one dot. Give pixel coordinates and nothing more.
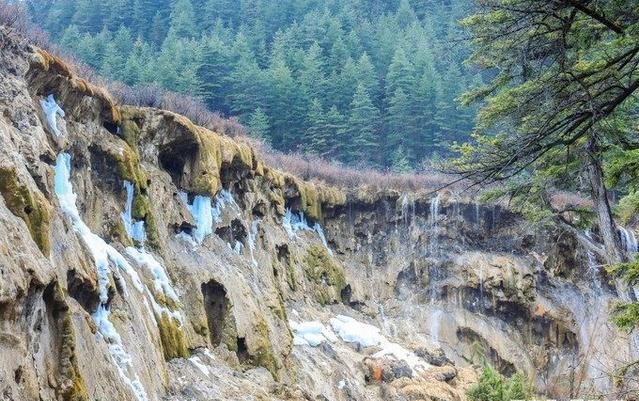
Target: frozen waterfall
(104, 257)
(135, 229)
(294, 222)
(52, 110)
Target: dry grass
(313, 168)
(154, 96)
(563, 201)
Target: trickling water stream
(628, 240)
(434, 217)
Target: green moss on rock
(71, 385)
(129, 169)
(30, 206)
(262, 354)
(325, 273)
(173, 343)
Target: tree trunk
(607, 226)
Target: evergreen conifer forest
(364, 82)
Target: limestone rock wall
(202, 315)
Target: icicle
(206, 212)
(294, 222)
(252, 237)
(297, 222)
(103, 255)
(52, 110)
(202, 214)
(223, 199)
(135, 229)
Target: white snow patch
(311, 333)
(197, 362)
(352, 331)
(52, 110)
(366, 335)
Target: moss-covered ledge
(30, 206)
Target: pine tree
(405, 14)
(87, 49)
(400, 122)
(284, 105)
(336, 131)
(136, 68)
(366, 75)
(258, 125)
(247, 82)
(342, 85)
(312, 81)
(87, 16)
(214, 73)
(424, 108)
(363, 125)
(401, 74)
(112, 61)
(158, 30)
(400, 163)
(317, 136)
(182, 19)
(117, 14)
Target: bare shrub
(314, 168)
(14, 15)
(562, 201)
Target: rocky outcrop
(172, 269)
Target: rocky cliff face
(145, 258)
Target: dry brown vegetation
(310, 167)
(563, 201)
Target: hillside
(147, 258)
(360, 81)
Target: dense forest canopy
(360, 81)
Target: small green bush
(493, 386)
